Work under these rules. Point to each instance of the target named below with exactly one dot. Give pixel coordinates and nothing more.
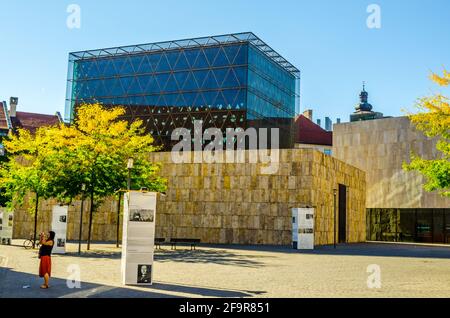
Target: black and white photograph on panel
(61, 243)
(141, 215)
(144, 274)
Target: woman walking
(45, 253)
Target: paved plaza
(238, 271)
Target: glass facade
(226, 81)
(409, 225)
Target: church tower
(364, 109)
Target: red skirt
(45, 266)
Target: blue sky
(328, 41)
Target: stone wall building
(235, 203)
(398, 205)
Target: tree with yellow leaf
(103, 146)
(86, 159)
(26, 171)
(433, 119)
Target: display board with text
(59, 226)
(303, 228)
(138, 238)
(6, 226)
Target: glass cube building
(225, 81)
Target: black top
(45, 250)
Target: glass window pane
(171, 99)
(116, 88)
(189, 98)
(162, 80)
(220, 75)
(241, 56)
(201, 61)
(231, 52)
(126, 83)
(211, 54)
(127, 68)
(191, 56)
(210, 81)
(102, 88)
(180, 78)
(116, 66)
(148, 84)
(200, 77)
(152, 100)
(231, 80)
(134, 87)
(136, 62)
(171, 85)
(407, 225)
(241, 74)
(163, 65)
(172, 58)
(182, 63)
(190, 83)
(210, 97)
(221, 59)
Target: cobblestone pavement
(238, 271)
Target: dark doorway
(438, 226)
(342, 213)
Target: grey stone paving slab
(238, 271)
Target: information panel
(6, 226)
(138, 238)
(59, 226)
(303, 228)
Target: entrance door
(424, 225)
(447, 226)
(342, 213)
(438, 226)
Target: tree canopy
(94, 150)
(433, 119)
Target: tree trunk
(90, 221)
(35, 220)
(81, 226)
(118, 220)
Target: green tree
(94, 151)
(4, 199)
(433, 119)
(26, 171)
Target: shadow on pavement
(205, 256)
(12, 286)
(356, 249)
(95, 254)
(383, 250)
(199, 256)
(203, 291)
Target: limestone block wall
(327, 174)
(235, 203)
(103, 225)
(379, 147)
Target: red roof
(32, 121)
(308, 132)
(3, 118)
